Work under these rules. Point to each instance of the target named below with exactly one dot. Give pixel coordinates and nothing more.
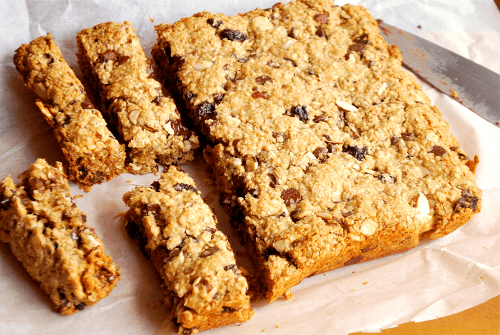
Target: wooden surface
(483, 319)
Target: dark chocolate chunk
(354, 260)
(291, 196)
(226, 309)
(156, 185)
(358, 153)
(109, 55)
(209, 252)
(292, 33)
(263, 79)
(122, 60)
(466, 201)
(211, 230)
(408, 136)
(215, 24)
(180, 130)
(218, 97)
(274, 180)
(437, 150)
(362, 39)
(321, 18)
(395, 140)
(269, 252)
(301, 112)
(5, 203)
(321, 154)
(181, 186)
(231, 267)
(357, 47)
(331, 148)
(233, 35)
(262, 95)
(205, 109)
(321, 32)
(291, 61)
(87, 104)
(271, 64)
(157, 100)
(80, 306)
(162, 255)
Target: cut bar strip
(48, 234)
(325, 151)
(114, 64)
(178, 232)
(93, 153)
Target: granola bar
(48, 234)
(177, 231)
(113, 62)
(93, 153)
(325, 151)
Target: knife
(471, 84)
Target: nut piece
(133, 116)
(204, 64)
(368, 227)
(423, 204)
(40, 90)
(280, 246)
(262, 23)
(168, 128)
(346, 106)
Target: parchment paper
(436, 279)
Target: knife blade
(469, 83)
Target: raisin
(109, 55)
(122, 60)
(233, 35)
(437, 150)
(209, 252)
(321, 154)
(319, 118)
(181, 186)
(321, 18)
(321, 32)
(301, 112)
(205, 109)
(291, 61)
(291, 196)
(215, 24)
(262, 95)
(358, 153)
(263, 79)
(466, 201)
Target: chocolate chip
(73, 102)
(331, 148)
(466, 201)
(231, 267)
(180, 130)
(80, 306)
(87, 104)
(321, 18)
(281, 137)
(319, 118)
(321, 32)
(362, 39)
(211, 230)
(50, 61)
(109, 55)
(233, 35)
(157, 100)
(271, 64)
(354, 260)
(162, 256)
(395, 140)
(263, 79)
(291, 196)
(215, 24)
(357, 47)
(292, 33)
(358, 153)
(209, 252)
(408, 136)
(156, 186)
(269, 252)
(181, 186)
(253, 192)
(122, 60)
(386, 178)
(437, 150)
(205, 109)
(301, 112)
(218, 97)
(321, 154)
(274, 180)
(262, 95)
(150, 209)
(291, 61)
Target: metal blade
(471, 84)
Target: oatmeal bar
(113, 62)
(93, 153)
(326, 152)
(47, 233)
(178, 232)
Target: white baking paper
(436, 279)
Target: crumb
(151, 19)
(365, 283)
(454, 94)
(288, 295)
(129, 181)
(277, 326)
(419, 27)
(119, 214)
(78, 196)
(263, 330)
